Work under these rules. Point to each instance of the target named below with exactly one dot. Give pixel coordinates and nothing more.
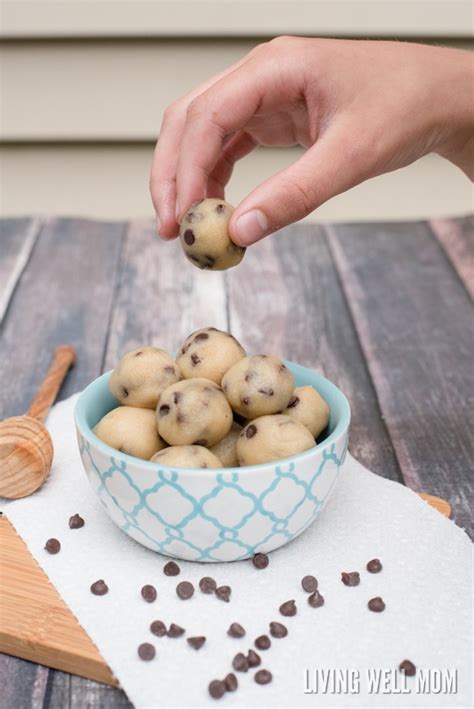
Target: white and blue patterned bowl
(213, 515)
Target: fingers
(240, 145)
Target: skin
(359, 108)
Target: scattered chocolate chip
(99, 588)
(374, 566)
(223, 593)
(171, 568)
(146, 651)
(407, 668)
(263, 642)
(207, 584)
(149, 593)
(250, 431)
(260, 561)
(52, 546)
(309, 584)
(76, 522)
(316, 600)
(158, 628)
(189, 237)
(175, 631)
(263, 677)
(230, 682)
(288, 608)
(185, 590)
(164, 409)
(240, 663)
(278, 630)
(200, 442)
(195, 359)
(267, 391)
(217, 688)
(201, 336)
(236, 630)
(376, 604)
(253, 658)
(293, 402)
(351, 578)
(197, 642)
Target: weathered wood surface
(456, 236)
(380, 309)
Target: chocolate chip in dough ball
(208, 353)
(193, 412)
(309, 408)
(141, 375)
(271, 438)
(226, 450)
(258, 385)
(205, 236)
(130, 430)
(186, 457)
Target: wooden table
(384, 310)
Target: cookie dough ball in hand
(193, 412)
(271, 438)
(309, 408)
(141, 375)
(258, 385)
(208, 353)
(205, 236)
(226, 450)
(186, 457)
(130, 430)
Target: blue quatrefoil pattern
(220, 516)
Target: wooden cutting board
(36, 624)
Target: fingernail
(250, 227)
(158, 224)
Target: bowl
(213, 515)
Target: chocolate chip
(175, 631)
(201, 336)
(197, 642)
(171, 568)
(316, 600)
(267, 391)
(288, 608)
(309, 584)
(223, 593)
(76, 522)
(278, 630)
(201, 442)
(230, 682)
(240, 663)
(374, 566)
(125, 392)
(263, 677)
(180, 417)
(253, 658)
(149, 593)
(376, 604)
(246, 401)
(250, 431)
(236, 630)
(170, 370)
(217, 688)
(185, 590)
(351, 578)
(220, 209)
(189, 237)
(208, 262)
(158, 628)
(263, 642)
(293, 402)
(137, 354)
(164, 409)
(407, 668)
(146, 651)
(176, 396)
(52, 546)
(260, 561)
(195, 359)
(99, 588)
(207, 584)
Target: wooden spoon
(26, 449)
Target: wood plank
(456, 236)
(68, 691)
(413, 316)
(23, 683)
(17, 239)
(285, 298)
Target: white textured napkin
(425, 583)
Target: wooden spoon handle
(64, 358)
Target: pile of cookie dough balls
(214, 406)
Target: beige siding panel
(111, 182)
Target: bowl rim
(341, 427)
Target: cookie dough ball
(141, 375)
(186, 457)
(309, 408)
(258, 385)
(130, 430)
(205, 237)
(193, 412)
(208, 353)
(271, 438)
(226, 450)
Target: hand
(359, 108)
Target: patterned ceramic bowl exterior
(213, 515)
